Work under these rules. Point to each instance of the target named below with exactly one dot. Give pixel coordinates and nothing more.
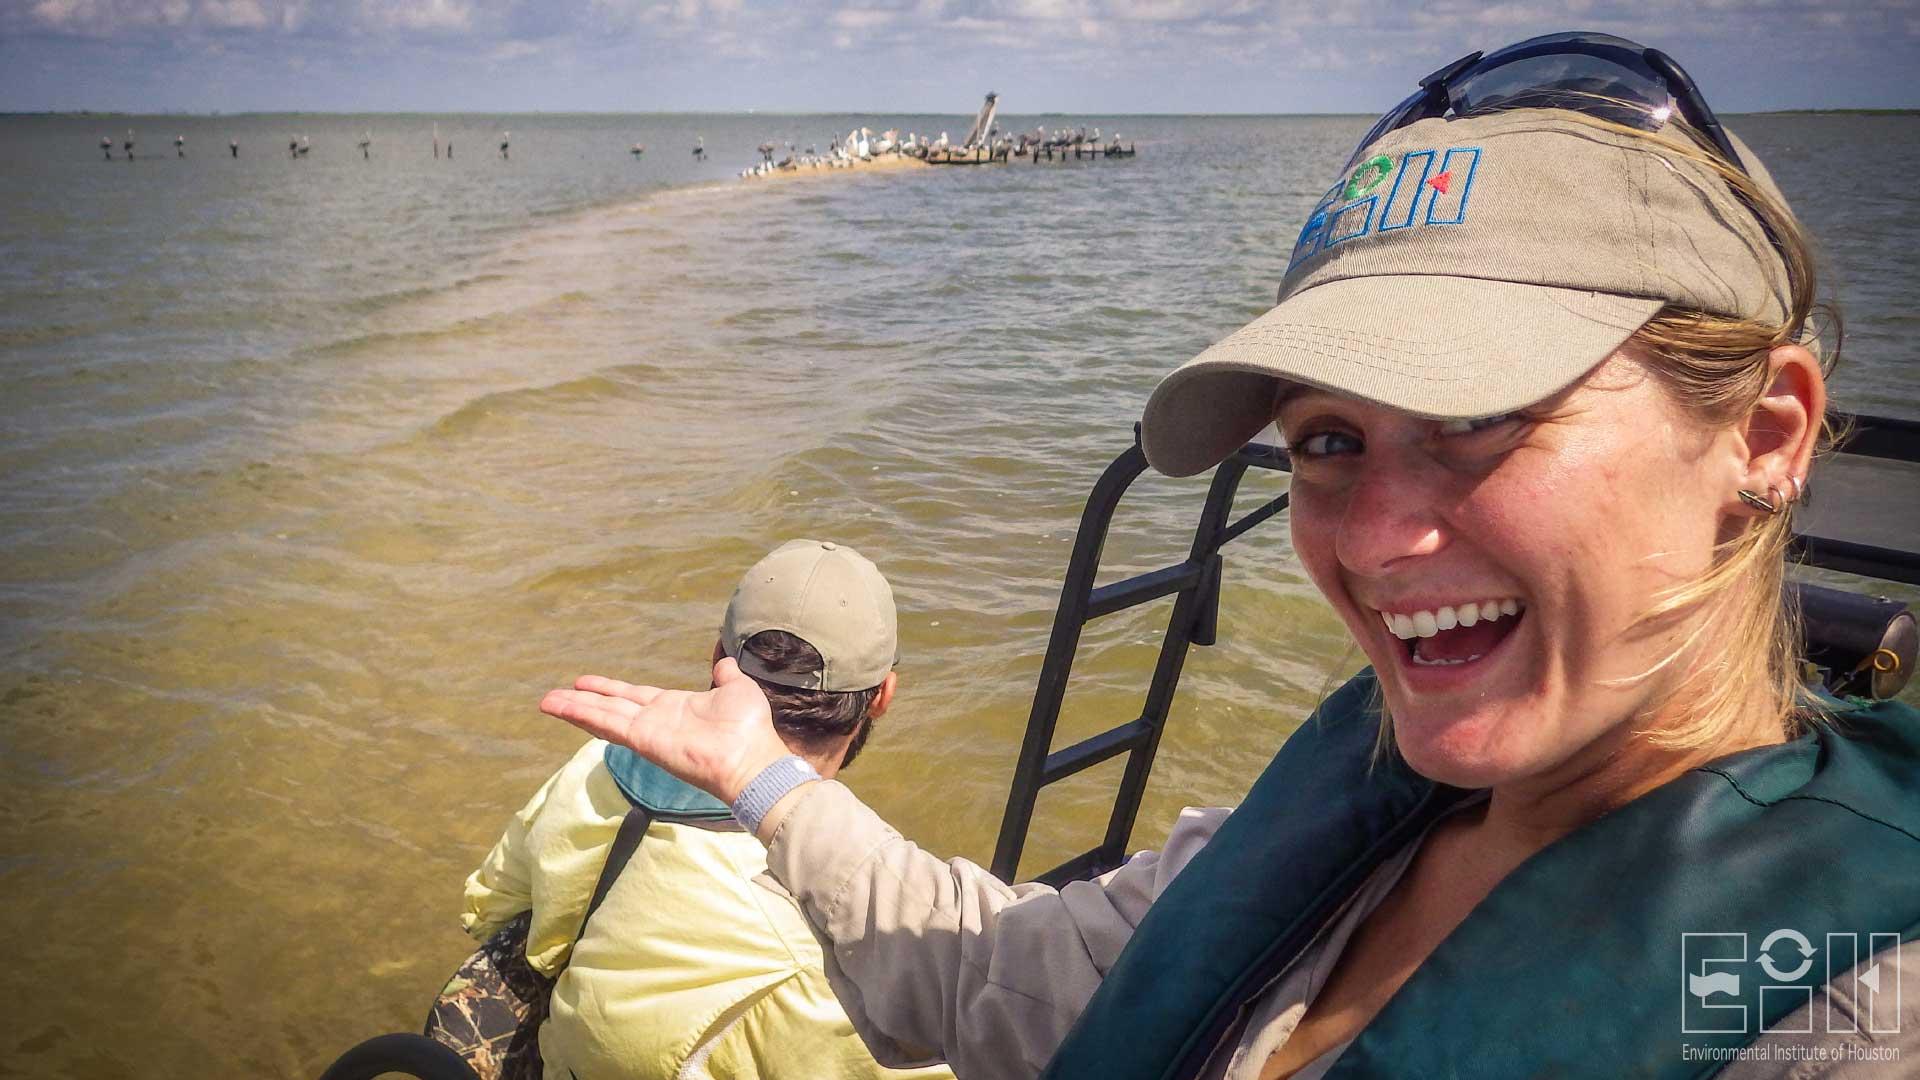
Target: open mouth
(1454, 634)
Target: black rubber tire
(404, 1053)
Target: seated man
(695, 963)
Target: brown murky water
(318, 474)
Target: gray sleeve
(1849, 1031)
(937, 959)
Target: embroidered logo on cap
(1428, 187)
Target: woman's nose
(1391, 514)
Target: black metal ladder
(1195, 584)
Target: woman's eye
(1478, 423)
(1323, 443)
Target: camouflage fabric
(490, 1012)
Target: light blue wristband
(774, 781)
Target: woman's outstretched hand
(717, 740)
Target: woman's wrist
(769, 786)
(752, 763)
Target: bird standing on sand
(233, 147)
(503, 143)
(128, 145)
(106, 147)
(180, 146)
(638, 149)
(366, 147)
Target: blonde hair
(1715, 368)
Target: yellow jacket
(689, 969)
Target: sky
(1069, 56)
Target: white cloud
(863, 18)
(418, 15)
(233, 14)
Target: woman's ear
(1784, 426)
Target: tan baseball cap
(1471, 267)
(827, 595)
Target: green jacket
(1575, 965)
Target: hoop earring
(1759, 503)
(1799, 489)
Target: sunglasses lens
(1623, 90)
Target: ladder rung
(1151, 585)
(1089, 752)
(1088, 864)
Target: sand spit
(821, 166)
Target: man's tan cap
(1471, 267)
(827, 595)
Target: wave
(396, 297)
(611, 384)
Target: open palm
(717, 740)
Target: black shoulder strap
(633, 829)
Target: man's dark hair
(813, 718)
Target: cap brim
(1441, 347)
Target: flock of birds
(863, 145)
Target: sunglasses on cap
(1596, 74)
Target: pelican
(940, 143)
(638, 149)
(180, 145)
(699, 148)
(128, 145)
(106, 147)
(366, 146)
(504, 140)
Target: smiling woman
(1544, 360)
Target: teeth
(1425, 624)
